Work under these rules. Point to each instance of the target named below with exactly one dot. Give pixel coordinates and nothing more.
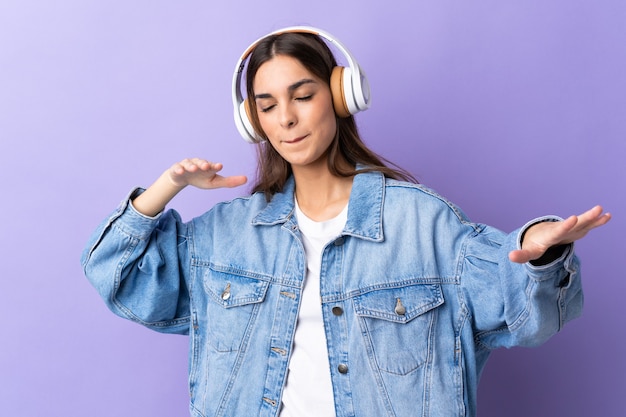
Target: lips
(296, 140)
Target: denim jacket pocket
(397, 323)
(234, 300)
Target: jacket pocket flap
(232, 288)
(400, 304)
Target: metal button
(400, 309)
(226, 292)
(271, 402)
(339, 241)
(337, 311)
(342, 368)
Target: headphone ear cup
(245, 126)
(360, 89)
(338, 91)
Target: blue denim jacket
(414, 298)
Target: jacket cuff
(554, 253)
(127, 218)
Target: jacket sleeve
(518, 304)
(138, 265)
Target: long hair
(313, 53)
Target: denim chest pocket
(397, 324)
(234, 300)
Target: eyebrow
(291, 88)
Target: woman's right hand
(202, 174)
(195, 171)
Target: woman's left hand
(541, 236)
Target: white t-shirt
(309, 391)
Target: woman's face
(295, 110)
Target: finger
(591, 215)
(569, 224)
(597, 217)
(238, 180)
(233, 181)
(188, 165)
(205, 165)
(178, 169)
(520, 256)
(216, 166)
(591, 219)
(602, 220)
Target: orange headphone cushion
(337, 91)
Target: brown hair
(312, 52)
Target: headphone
(349, 86)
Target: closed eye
(267, 108)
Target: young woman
(340, 287)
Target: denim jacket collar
(365, 208)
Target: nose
(288, 116)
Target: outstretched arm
(196, 172)
(542, 236)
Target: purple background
(511, 109)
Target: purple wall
(511, 109)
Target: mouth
(295, 140)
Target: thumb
(520, 256)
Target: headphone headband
(352, 85)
